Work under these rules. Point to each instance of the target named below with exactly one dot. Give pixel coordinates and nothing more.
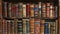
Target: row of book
(27, 10)
(26, 26)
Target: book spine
(36, 10)
(20, 27)
(31, 10)
(46, 28)
(27, 26)
(24, 10)
(42, 26)
(48, 9)
(9, 10)
(8, 27)
(12, 26)
(31, 26)
(37, 26)
(28, 10)
(53, 28)
(20, 6)
(24, 27)
(40, 9)
(16, 10)
(51, 11)
(5, 9)
(4, 27)
(43, 10)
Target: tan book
(31, 10)
(40, 12)
(31, 26)
(24, 10)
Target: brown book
(31, 26)
(42, 26)
(4, 27)
(44, 10)
(37, 26)
(31, 10)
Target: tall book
(31, 10)
(48, 10)
(4, 27)
(36, 10)
(12, 26)
(28, 10)
(42, 26)
(44, 10)
(24, 10)
(40, 7)
(20, 9)
(32, 26)
(9, 10)
(27, 26)
(5, 9)
(20, 27)
(37, 26)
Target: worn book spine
(20, 27)
(24, 26)
(4, 26)
(40, 7)
(27, 26)
(31, 26)
(28, 10)
(31, 10)
(44, 10)
(36, 10)
(24, 10)
(20, 10)
(48, 9)
(42, 26)
(5, 9)
(9, 10)
(37, 26)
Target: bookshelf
(29, 17)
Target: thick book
(31, 10)
(32, 26)
(20, 10)
(28, 10)
(43, 10)
(36, 10)
(20, 27)
(5, 9)
(9, 10)
(40, 7)
(48, 10)
(37, 26)
(24, 10)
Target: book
(20, 9)
(24, 10)
(36, 10)
(28, 10)
(31, 10)
(5, 9)
(42, 26)
(24, 26)
(4, 27)
(48, 10)
(32, 26)
(37, 26)
(20, 27)
(40, 7)
(9, 10)
(27, 26)
(44, 10)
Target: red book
(28, 10)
